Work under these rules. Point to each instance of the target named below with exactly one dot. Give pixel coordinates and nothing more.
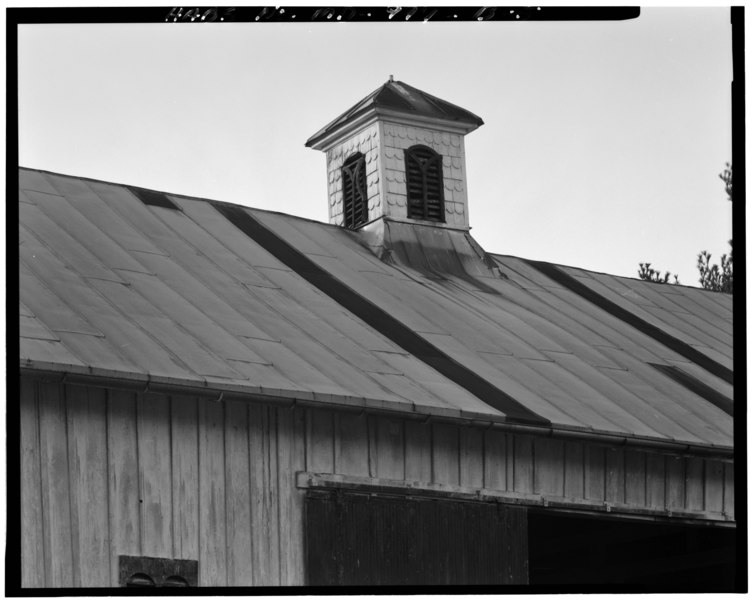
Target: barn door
(360, 539)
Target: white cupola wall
(397, 155)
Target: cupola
(397, 155)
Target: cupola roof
(398, 98)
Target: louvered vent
(153, 572)
(425, 184)
(354, 191)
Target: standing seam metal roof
(110, 285)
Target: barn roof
(140, 286)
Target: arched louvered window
(425, 184)
(354, 191)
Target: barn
(214, 395)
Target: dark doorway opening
(580, 551)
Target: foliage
(727, 177)
(717, 278)
(713, 277)
(647, 273)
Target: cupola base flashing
(437, 253)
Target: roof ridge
(212, 201)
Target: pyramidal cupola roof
(395, 99)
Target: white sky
(601, 147)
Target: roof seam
(377, 318)
(679, 346)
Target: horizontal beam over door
(372, 485)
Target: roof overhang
(224, 390)
(328, 137)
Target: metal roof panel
(49, 351)
(36, 181)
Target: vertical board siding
(495, 460)
(655, 486)
(290, 505)
(258, 424)
(728, 490)
(319, 441)
(185, 484)
(32, 540)
(574, 470)
(615, 478)
(361, 540)
(524, 463)
(155, 470)
(264, 514)
(417, 451)
(446, 454)
(87, 449)
(351, 444)
(675, 482)
(549, 467)
(517, 544)
(387, 448)
(695, 482)
(296, 511)
(471, 457)
(595, 473)
(238, 494)
(122, 463)
(212, 566)
(714, 486)
(636, 477)
(60, 558)
(108, 472)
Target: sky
(601, 147)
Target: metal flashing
(698, 387)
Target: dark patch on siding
(677, 345)
(379, 319)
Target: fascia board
(326, 141)
(143, 382)
(458, 127)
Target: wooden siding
(361, 539)
(111, 472)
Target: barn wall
(110, 472)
